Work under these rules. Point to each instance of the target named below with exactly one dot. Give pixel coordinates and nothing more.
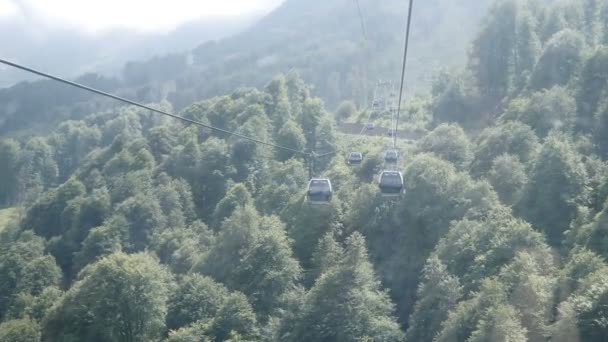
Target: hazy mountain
(70, 52)
(322, 40)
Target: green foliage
(326, 256)
(560, 60)
(196, 298)
(253, 255)
(456, 99)
(346, 303)
(556, 187)
(21, 330)
(502, 323)
(512, 138)
(508, 177)
(594, 235)
(291, 136)
(589, 303)
(601, 123)
(493, 50)
(8, 217)
(306, 224)
(476, 249)
(9, 168)
(549, 109)
(592, 86)
(36, 307)
(183, 247)
(449, 142)
(24, 268)
(236, 198)
(437, 296)
(235, 316)
(346, 110)
(139, 289)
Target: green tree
(347, 303)
(134, 288)
(235, 316)
(306, 224)
(183, 247)
(559, 61)
(20, 253)
(100, 242)
(493, 50)
(601, 123)
(327, 254)
(292, 136)
(346, 110)
(592, 86)
(508, 177)
(38, 170)
(20, 330)
(143, 218)
(35, 307)
(73, 140)
(450, 142)
(476, 316)
(594, 235)
(196, 298)
(556, 187)
(512, 138)
(253, 255)
(457, 100)
(236, 198)
(437, 294)
(44, 217)
(589, 303)
(548, 109)
(9, 171)
(502, 323)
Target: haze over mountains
(71, 52)
(326, 33)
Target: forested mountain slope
(139, 228)
(70, 52)
(322, 40)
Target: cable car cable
(137, 104)
(362, 19)
(407, 40)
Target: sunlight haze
(141, 15)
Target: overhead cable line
(362, 19)
(137, 104)
(407, 41)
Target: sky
(141, 15)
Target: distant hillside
(322, 40)
(71, 52)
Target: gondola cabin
(391, 184)
(319, 191)
(391, 156)
(354, 158)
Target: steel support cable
(407, 41)
(137, 104)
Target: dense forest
(123, 225)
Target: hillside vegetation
(140, 228)
(322, 40)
